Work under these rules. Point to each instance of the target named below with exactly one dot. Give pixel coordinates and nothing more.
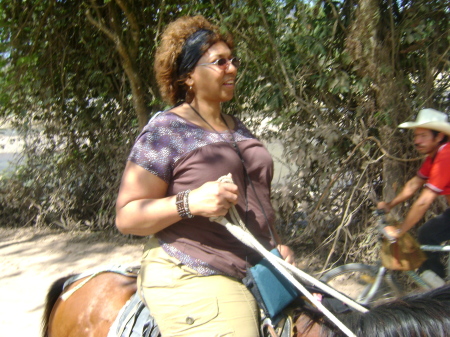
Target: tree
(337, 78)
(331, 80)
(80, 73)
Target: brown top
(187, 156)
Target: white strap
(243, 234)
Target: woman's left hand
(287, 254)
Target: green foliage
(331, 80)
(330, 77)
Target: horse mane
(52, 296)
(415, 315)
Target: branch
(121, 49)
(162, 6)
(25, 22)
(101, 26)
(385, 153)
(336, 15)
(128, 59)
(346, 218)
(277, 53)
(135, 32)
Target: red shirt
(437, 171)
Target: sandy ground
(31, 259)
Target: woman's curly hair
(172, 87)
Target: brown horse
(91, 310)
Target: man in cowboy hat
(431, 132)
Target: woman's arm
(142, 207)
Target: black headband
(194, 47)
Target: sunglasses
(224, 63)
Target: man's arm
(418, 209)
(411, 187)
(415, 213)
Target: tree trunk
(127, 48)
(137, 90)
(373, 48)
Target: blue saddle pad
(135, 321)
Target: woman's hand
(213, 199)
(287, 254)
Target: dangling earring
(189, 94)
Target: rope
(69, 293)
(90, 275)
(241, 232)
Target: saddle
(135, 319)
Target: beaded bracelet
(182, 203)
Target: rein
(89, 275)
(240, 231)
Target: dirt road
(30, 260)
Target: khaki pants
(185, 303)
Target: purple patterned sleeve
(157, 147)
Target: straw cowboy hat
(429, 119)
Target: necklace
(233, 141)
(233, 144)
(247, 177)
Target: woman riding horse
(192, 268)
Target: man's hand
(384, 206)
(393, 231)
